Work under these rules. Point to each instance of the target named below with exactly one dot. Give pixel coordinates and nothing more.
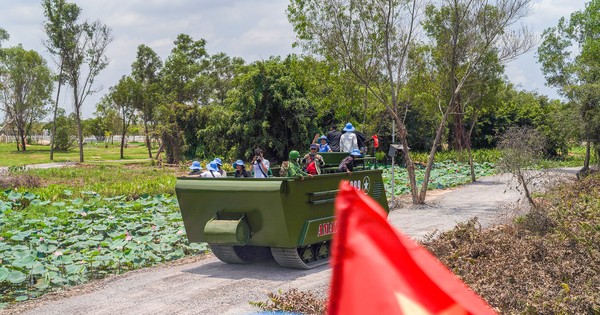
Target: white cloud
(251, 29)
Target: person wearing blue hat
(240, 169)
(212, 170)
(348, 140)
(196, 168)
(347, 164)
(220, 167)
(323, 144)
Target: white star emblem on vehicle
(366, 182)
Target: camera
(258, 159)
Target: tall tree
(25, 87)
(184, 83)
(271, 110)
(570, 58)
(82, 64)
(221, 72)
(62, 30)
(372, 39)
(181, 74)
(145, 70)
(472, 39)
(3, 36)
(123, 98)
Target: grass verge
(38, 154)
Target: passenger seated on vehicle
(313, 161)
(323, 144)
(220, 167)
(291, 168)
(240, 169)
(347, 164)
(212, 170)
(196, 168)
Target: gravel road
(204, 285)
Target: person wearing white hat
(348, 140)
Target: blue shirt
(324, 147)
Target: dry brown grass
(544, 262)
(11, 181)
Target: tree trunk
(122, 143)
(22, 138)
(148, 144)
(473, 178)
(586, 162)
(78, 119)
(53, 132)
(459, 141)
(521, 180)
(123, 133)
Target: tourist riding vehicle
(288, 218)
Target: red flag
(378, 270)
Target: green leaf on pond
(3, 273)
(16, 277)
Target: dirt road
(207, 286)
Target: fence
(45, 139)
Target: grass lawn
(37, 154)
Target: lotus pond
(443, 175)
(86, 238)
(51, 239)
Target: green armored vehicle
(243, 219)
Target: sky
(251, 29)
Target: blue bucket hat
(196, 166)
(349, 127)
(356, 152)
(323, 138)
(212, 166)
(218, 161)
(238, 162)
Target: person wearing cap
(220, 167)
(212, 170)
(333, 137)
(313, 161)
(347, 164)
(348, 140)
(323, 144)
(196, 168)
(291, 168)
(240, 169)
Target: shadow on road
(266, 269)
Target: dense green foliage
(570, 58)
(25, 87)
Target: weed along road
(205, 285)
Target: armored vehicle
(290, 219)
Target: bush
(64, 139)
